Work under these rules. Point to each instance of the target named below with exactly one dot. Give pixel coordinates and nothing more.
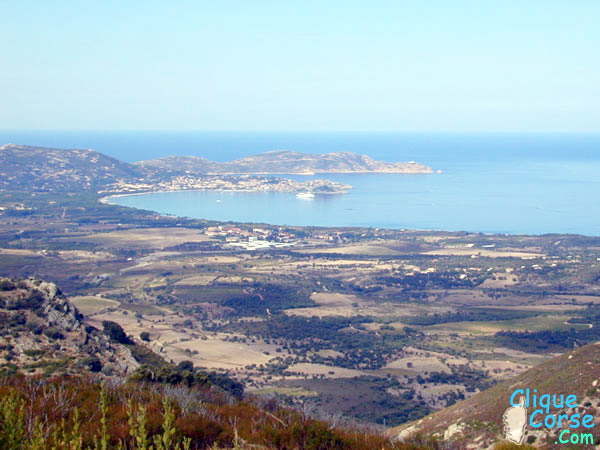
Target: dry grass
(335, 299)
(215, 353)
(88, 305)
(321, 369)
(500, 280)
(197, 280)
(178, 343)
(501, 369)
(19, 252)
(289, 391)
(157, 238)
(491, 327)
(475, 251)
(358, 249)
(419, 364)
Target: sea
(510, 183)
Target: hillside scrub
(80, 413)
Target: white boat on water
(305, 195)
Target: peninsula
(287, 162)
(58, 170)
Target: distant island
(286, 162)
(70, 171)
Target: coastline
(106, 199)
(347, 216)
(332, 172)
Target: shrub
(92, 363)
(35, 300)
(13, 433)
(114, 331)
(186, 365)
(53, 333)
(6, 285)
(146, 357)
(33, 353)
(35, 327)
(18, 319)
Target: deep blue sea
(493, 183)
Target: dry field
(321, 369)
(580, 298)
(489, 328)
(368, 248)
(215, 353)
(500, 281)
(90, 305)
(348, 305)
(501, 369)
(20, 252)
(478, 251)
(431, 392)
(287, 391)
(150, 238)
(177, 343)
(419, 364)
(196, 280)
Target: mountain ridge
(287, 162)
(50, 169)
(34, 169)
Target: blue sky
(301, 65)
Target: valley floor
(382, 326)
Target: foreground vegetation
(86, 413)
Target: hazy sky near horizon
(301, 65)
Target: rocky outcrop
(40, 330)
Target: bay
(493, 183)
(530, 198)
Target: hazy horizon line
(167, 130)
